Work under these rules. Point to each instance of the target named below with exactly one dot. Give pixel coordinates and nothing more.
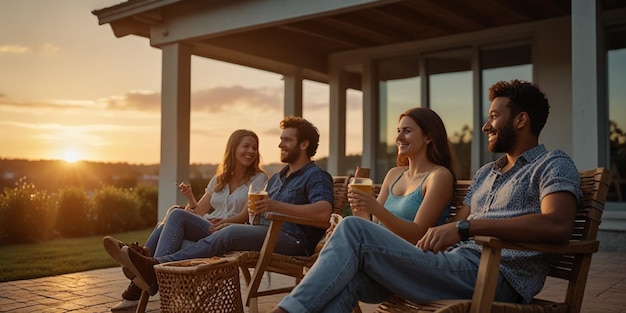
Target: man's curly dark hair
(306, 131)
(524, 97)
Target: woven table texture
(199, 285)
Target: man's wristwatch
(463, 227)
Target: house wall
(551, 57)
(552, 70)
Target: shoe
(132, 292)
(125, 306)
(114, 248)
(142, 267)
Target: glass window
(399, 90)
(498, 64)
(450, 95)
(616, 71)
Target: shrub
(115, 210)
(73, 213)
(27, 214)
(148, 211)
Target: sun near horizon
(71, 156)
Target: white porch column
(293, 94)
(371, 130)
(588, 101)
(175, 124)
(337, 127)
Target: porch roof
(301, 35)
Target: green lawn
(60, 256)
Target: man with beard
(300, 189)
(528, 195)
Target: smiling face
(410, 139)
(499, 127)
(289, 147)
(247, 151)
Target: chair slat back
(375, 190)
(459, 195)
(594, 185)
(340, 190)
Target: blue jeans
(177, 226)
(181, 225)
(364, 261)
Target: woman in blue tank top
(416, 194)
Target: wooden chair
(572, 266)
(295, 266)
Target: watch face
(463, 224)
(463, 227)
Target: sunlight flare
(71, 156)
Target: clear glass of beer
(254, 195)
(361, 183)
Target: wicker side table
(199, 285)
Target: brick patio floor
(98, 290)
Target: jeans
(178, 225)
(235, 237)
(364, 261)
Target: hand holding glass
(360, 183)
(254, 195)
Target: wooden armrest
(269, 244)
(573, 247)
(297, 220)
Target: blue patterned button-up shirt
(519, 191)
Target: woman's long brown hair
(225, 169)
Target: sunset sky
(69, 89)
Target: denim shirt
(519, 191)
(307, 185)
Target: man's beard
(506, 139)
(291, 156)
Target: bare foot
(278, 310)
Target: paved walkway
(98, 290)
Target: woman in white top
(224, 202)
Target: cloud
(215, 99)
(139, 100)
(50, 49)
(45, 49)
(14, 49)
(5, 101)
(210, 100)
(78, 129)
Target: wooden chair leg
(486, 280)
(143, 302)
(253, 306)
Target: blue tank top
(405, 207)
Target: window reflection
(399, 90)
(505, 63)
(450, 93)
(616, 69)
